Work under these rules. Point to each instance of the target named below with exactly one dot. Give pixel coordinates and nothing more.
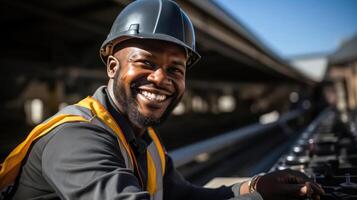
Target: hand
(287, 184)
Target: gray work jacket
(84, 161)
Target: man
(104, 147)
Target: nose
(159, 77)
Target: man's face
(149, 81)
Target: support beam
(58, 17)
(203, 16)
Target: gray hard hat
(152, 19)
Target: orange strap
(159, 147)
(152, 183)
(152, 171)
(11, 166)
(99, 111)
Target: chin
(151, 115)
(143, 120)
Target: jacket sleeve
(84, 162)
(177, 188)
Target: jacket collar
(138, 144)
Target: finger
(299, 174)
(297, 179)
(312, 190)
(294, 190)
(317, 189)
(300, 190)
(306, 190)
(293, 176)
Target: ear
(112, 66)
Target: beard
(130, 106)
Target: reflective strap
(154, 182)
(155, 154)
(155, 176)
(159, 148)
(156, 163)
(88, 114)
(12, 164)
(151, 182)
(99, 111)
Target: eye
(148, 63)
(176, 70)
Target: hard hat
(152, 19)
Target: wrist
(252, 183)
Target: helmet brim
(193, 56)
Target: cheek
(132, 74)
(181, 87)
(127, 76)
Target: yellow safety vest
(155, 152)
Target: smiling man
(104, 147)
(147, 80)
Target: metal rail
(184, 155)
(309, 131)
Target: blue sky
(297, 27)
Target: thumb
(296, 190)
(306, 190)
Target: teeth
(152, 96)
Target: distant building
(312, 65)
(342, 70)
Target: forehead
(152, 46)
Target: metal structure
(342, 70)
(242, 152)
(50, 57)
(191, 152)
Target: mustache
(144, 82)
(140, 82)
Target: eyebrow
(146, 54)
(177, 62)
(140, 53)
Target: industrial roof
(346, 53)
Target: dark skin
(146, 81)
(151, 74)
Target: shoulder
(77, 141)
(76, 133)
(65, 145)
(79, 144)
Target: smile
(152, 96)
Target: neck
(138, 131)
